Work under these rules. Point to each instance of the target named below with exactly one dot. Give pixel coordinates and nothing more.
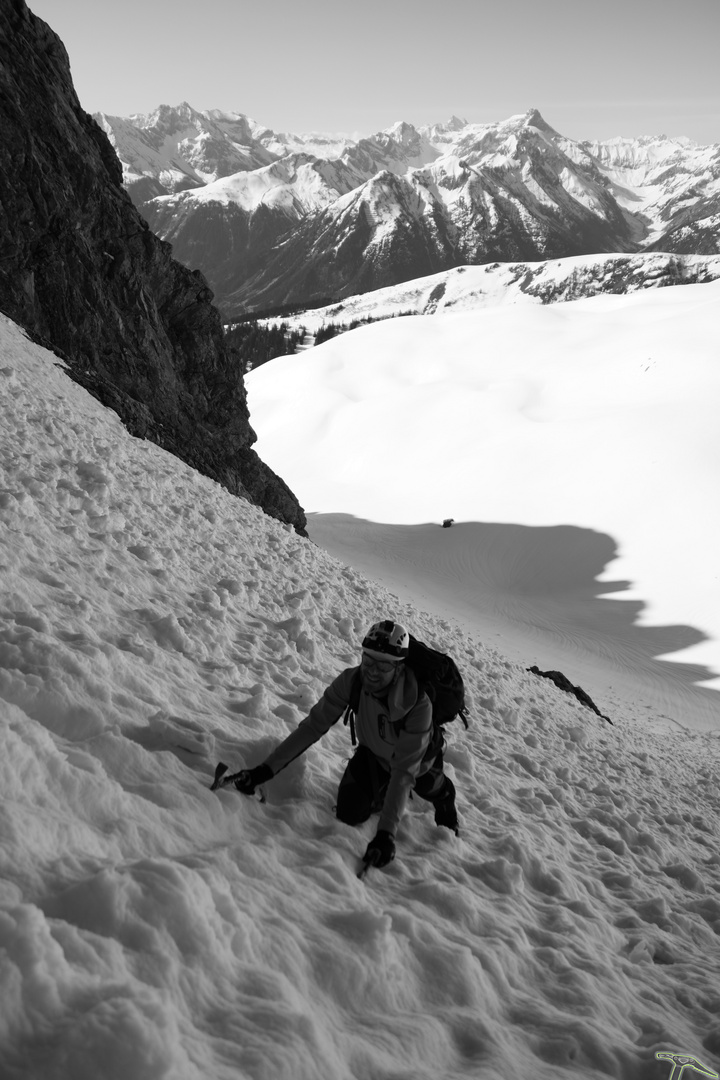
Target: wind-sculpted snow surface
(151, 624)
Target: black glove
(249, 779)
(381, 850)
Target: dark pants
(365, 780)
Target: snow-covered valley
(597, 415)
(151, 624)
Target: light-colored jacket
(397, 730)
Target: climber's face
(377, 674)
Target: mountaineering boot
(445, 811)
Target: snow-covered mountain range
(273, 219)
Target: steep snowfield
(151, 624)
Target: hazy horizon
(634, 70)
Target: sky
(643, 68)
(151, 625)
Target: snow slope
(151, 624)
(599, 414)
(296, 182)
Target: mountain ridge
(469, 288)
(464, 194)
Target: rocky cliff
(81, 271)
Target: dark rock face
(239, 241)
(81, 271)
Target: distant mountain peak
(402, 132)
(183, 110)
(221, 114)
(532, 118)
(443, 132)
(349, 214)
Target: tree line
(256, 344)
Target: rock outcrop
(81, 271)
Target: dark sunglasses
(379, 665)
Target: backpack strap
(353, 705)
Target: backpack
(438, 675)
